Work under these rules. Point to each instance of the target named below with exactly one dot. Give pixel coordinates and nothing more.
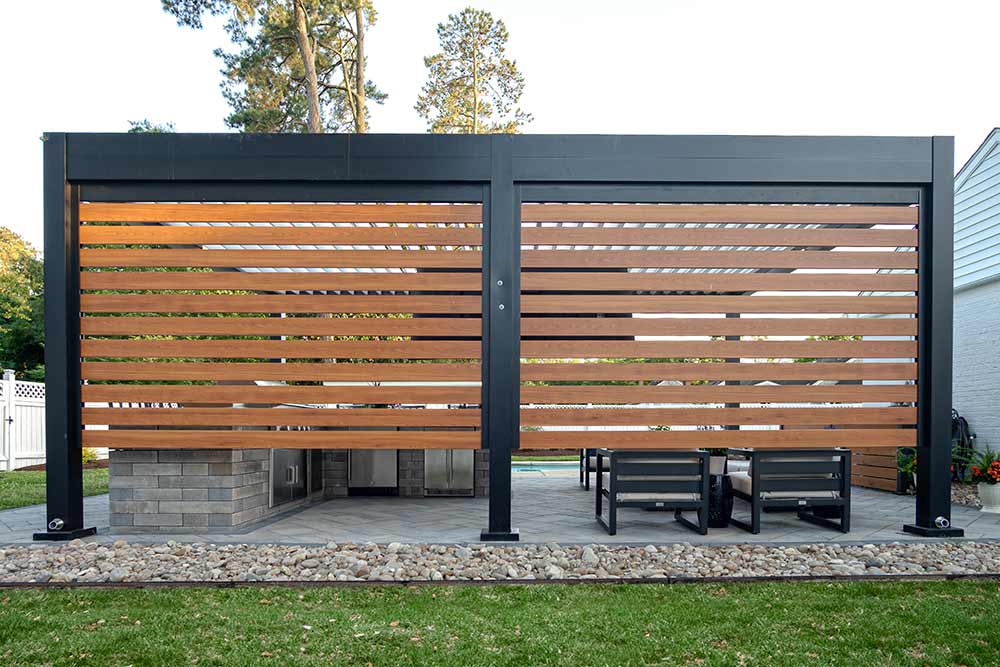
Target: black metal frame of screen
(501, 171)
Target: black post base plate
(500, 536)
(924, 531)
(63, 535)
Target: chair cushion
(743, 482)
(737, 465)
(593, 463)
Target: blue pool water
(544, 467)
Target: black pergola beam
(63, 449)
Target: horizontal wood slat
(587, 259)
(704, 259)
(280, 417)
(717, 326)
(172, 234)
(719, 394)
(690, 439)
(717, 371)
(471, 281)
(304, 371)
(605, 349)
(387, 213)
(210, 303)
(282, 326)
(719, 213)
(251, 394)
(470, 236)
(192, 439)
(718, 282)
(132, 257)
(472, 326)
(298, 349)
(661, 236)
(716, 416)
(648, 303)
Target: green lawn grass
(27, 487)
(850, 624)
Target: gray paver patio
(545, 508)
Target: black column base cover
(64, 535)
(924, 531)
(502, 536)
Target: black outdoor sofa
(814, 482)
(676, 480)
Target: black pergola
(501, 172)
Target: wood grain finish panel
(690, 439)
(716, 416)
(250, 394)
(719, 282)
(272, 281)
(717, 326)
(580, 303)
(373, 213)
(183, 235)
(720, 213)
(719, 394)
(193, 439)
(281, 326)
(343, 417)
(685, 259)
(277, 349)
(609, 349)
(142, 257)
(717, 371)
(300, 372)
(210, 303)
(677, 236)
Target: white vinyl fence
(22, 422)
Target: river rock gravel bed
(180, 562)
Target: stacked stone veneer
(210, 490)
(183, 491)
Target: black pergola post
(934, 347)
(501, 336)
(63, 451)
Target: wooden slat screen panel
(677, 326)
(315, 322)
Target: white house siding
(977, 292)
(977, 221)
(977, 360)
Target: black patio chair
(676, 480)
(814, 482)
(588, 464)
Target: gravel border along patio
(91, 562)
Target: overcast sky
(660, 67)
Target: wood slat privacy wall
(281, 325)
(680, 326)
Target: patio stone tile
(545, 508)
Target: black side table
(720, 501)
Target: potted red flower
(986, 473)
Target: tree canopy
(472, 87)
(22, 314)
(299, 64)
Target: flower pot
(989, 496)
(717, 465)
